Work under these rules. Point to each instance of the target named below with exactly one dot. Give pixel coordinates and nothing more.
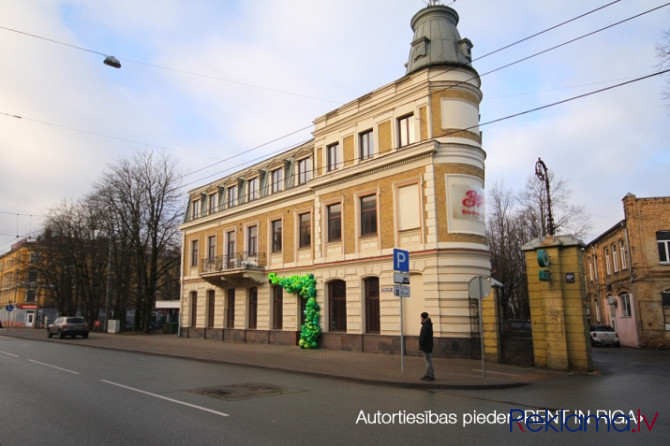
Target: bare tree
(144, 203)
(568, 218)
(508, 266)
(663, 55)
(71, 261)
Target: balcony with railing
(233, 268)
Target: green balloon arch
(305, 286)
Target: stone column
(557, 296)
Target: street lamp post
(542, 174)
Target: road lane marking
(54, 367)
(165, 398)
(9, 354)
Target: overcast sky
(220, 84)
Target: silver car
(68, 326)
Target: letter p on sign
(401, 260)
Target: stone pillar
(557, 294)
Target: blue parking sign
(401, 260)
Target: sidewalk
(368, 368)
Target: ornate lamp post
(543, 175)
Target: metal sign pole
(481, 333)
(402, 340)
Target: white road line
(165, 398)
(54, 367)
(9, 354)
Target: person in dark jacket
(426, 345)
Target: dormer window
(304, 169)
(253, 189)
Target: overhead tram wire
(304, 128)
(532, 110)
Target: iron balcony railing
(241, 260)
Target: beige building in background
(401, 167)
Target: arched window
(277, 307)
(337, 305)
(371, 285)
(230, 308)
(253, 307)
(210, 308)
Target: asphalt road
(55, 393)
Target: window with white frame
(305, 229)
(252, 189)
(625, 305)
(211, 247)
(212, 203)
(276, 235)
(615, 258)
(622, 251)
(663, 240)
(608, 262)
(304, 168)
(590, 262)
(277, 180)
(333, 157)
(195, 206)
(406, 130)
(334, 212)
(194, 253)
(232, 196)
(368, 215)
(365, 147)
(252, 240)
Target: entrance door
(30, 319)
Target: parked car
(68, 326)
(604, 335)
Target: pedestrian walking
(426, 346)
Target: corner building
(401, 167)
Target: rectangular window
(276, 235)
(304, 167)
(195, 205)
(625, 306)
(333, 161)
(232, 196)
(211, 247)
(365, 145)
(334, 222)
(608, 262)
(615, 259)
(277, 179)
(194, 253)
(405, 130)
(252, 192)
(212, 203)
(663, 240)
(305, 230)
(230, 249)
(30, 296)
(369, 215)
(252, 240)
(622, 251)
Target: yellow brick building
(20, 288)
(401, 167)
(628, 274)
